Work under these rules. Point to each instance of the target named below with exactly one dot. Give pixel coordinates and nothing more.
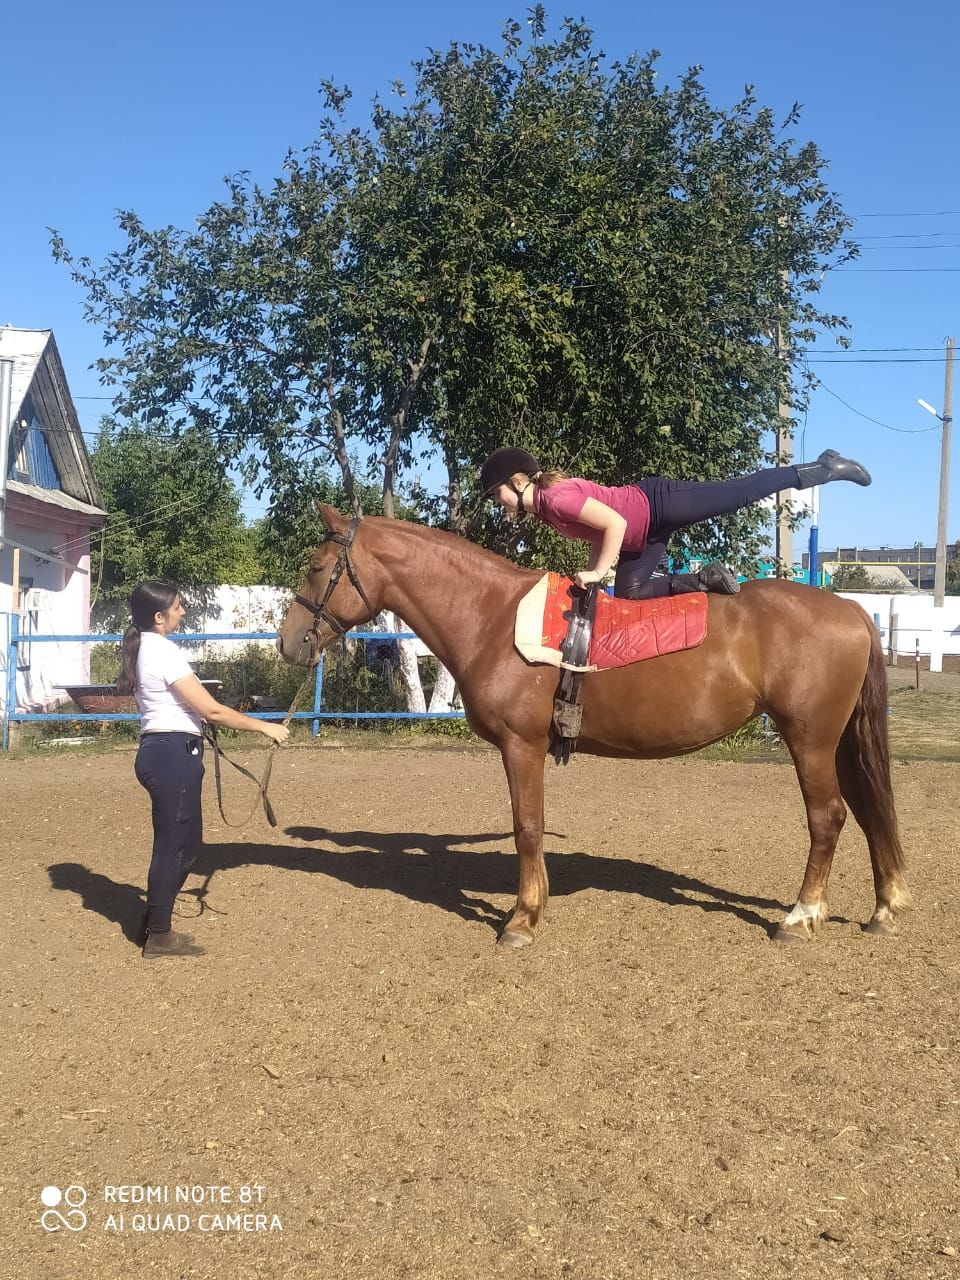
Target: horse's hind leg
(826, 814)
(523, 762)
(876, 815)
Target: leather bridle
(344, 561)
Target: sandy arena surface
(654, 1089)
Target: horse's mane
(473, 558)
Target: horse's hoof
(514, 938)
(881, 928)
(791, 933)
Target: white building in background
(49, 505)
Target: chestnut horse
(809, 659)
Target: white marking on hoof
(809, 916)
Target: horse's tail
(863, 769)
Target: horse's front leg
(523, 763)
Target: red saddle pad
(624, 631)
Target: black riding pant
(170, 767)
(677, 504)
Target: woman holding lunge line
(173, 706)
(635, 521)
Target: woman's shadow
(114, 900)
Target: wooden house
(50, 507)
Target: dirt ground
(655, 1089)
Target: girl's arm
(195, 695)
(611, 527)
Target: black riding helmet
(502, 464)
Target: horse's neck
(444, 593)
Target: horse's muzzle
(304, 655)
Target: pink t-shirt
(559, 506)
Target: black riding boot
(715, 577)
(830, 466)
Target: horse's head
(332, 598)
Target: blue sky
(140, 107)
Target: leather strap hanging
(262, 783)
(575, 653)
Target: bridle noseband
(344, 561)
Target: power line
(857, 360)
(906, 431)
(900, 247)
(908, 235)
(939, 213)
(843, 350)
(135, 524)
(900, 270)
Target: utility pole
(940, 570)
(784, 536)
(783, 545)
(6, 384)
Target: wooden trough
(104, 698)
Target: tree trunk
(398, 423)
(340, 444)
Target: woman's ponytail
(130, 649)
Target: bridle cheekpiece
(344, 561)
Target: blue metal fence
(315, 715)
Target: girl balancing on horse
(635, 521)
(173, 706)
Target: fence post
(317, 696)
(916, 644)
(11, 706)
(894, 635)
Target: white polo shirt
(160, 663)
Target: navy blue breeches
(170, 767)
(677, 504)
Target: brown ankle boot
(171, 944)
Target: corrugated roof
(55, 496)
(38, 373)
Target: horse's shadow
(435, 870)
(432, 869)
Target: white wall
(56, 604)
(916, 619)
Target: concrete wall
(917, 619)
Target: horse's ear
(332, 518)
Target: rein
(210, 734)
(320, 614)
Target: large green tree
(172, 514)
(530, 246)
